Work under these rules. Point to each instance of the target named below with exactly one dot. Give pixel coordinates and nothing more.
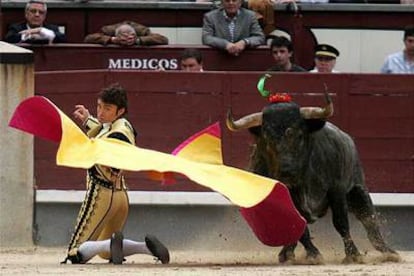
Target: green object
(261, 84)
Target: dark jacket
(294, 68)
(13, 35)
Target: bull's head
(282, 131)
(256, 119)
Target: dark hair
(192, 53)
(281, 41)
(408, 31)
(115, 94)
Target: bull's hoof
(391, 257)
(311, 260)
(315, 259)
(286, 257)
(353, 259)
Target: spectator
(126, 33)
(34, 30)
(232, 28)
(263, 9)
(191, 60)
(282, 51)
(325, 59)
(402, 62)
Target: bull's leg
(361, 205)
(287, 254)
(313, 256)
(340, 220)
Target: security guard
(325, 59)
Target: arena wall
(167, 107)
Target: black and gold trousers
(103, 212)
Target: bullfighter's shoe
(117, 254)
(157, 249)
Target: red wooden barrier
(89, 56)
(167, 107)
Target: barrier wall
(89, 56)
(168, 107)
(16, 149)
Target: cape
(265, 203)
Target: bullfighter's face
(108, 113)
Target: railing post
(16, 149)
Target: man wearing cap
(325, 59)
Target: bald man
(127, 33)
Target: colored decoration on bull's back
(261, 85)
(280, 98)
(266, 203)
(272, 97)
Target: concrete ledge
(11, 54)
(196, 198)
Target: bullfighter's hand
(81, 113)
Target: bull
(319, 163)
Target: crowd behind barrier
(77, 20)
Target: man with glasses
(232, 28)
(34, 30)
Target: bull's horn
(318, 112)
(247, 121)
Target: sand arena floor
(42, 260)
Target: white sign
(143, 63)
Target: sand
(43, 260)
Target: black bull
(319, 164)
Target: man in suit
(232, 28)
(34, 30)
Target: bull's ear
(314, 124)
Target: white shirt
(314, 70)
(45, 34)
